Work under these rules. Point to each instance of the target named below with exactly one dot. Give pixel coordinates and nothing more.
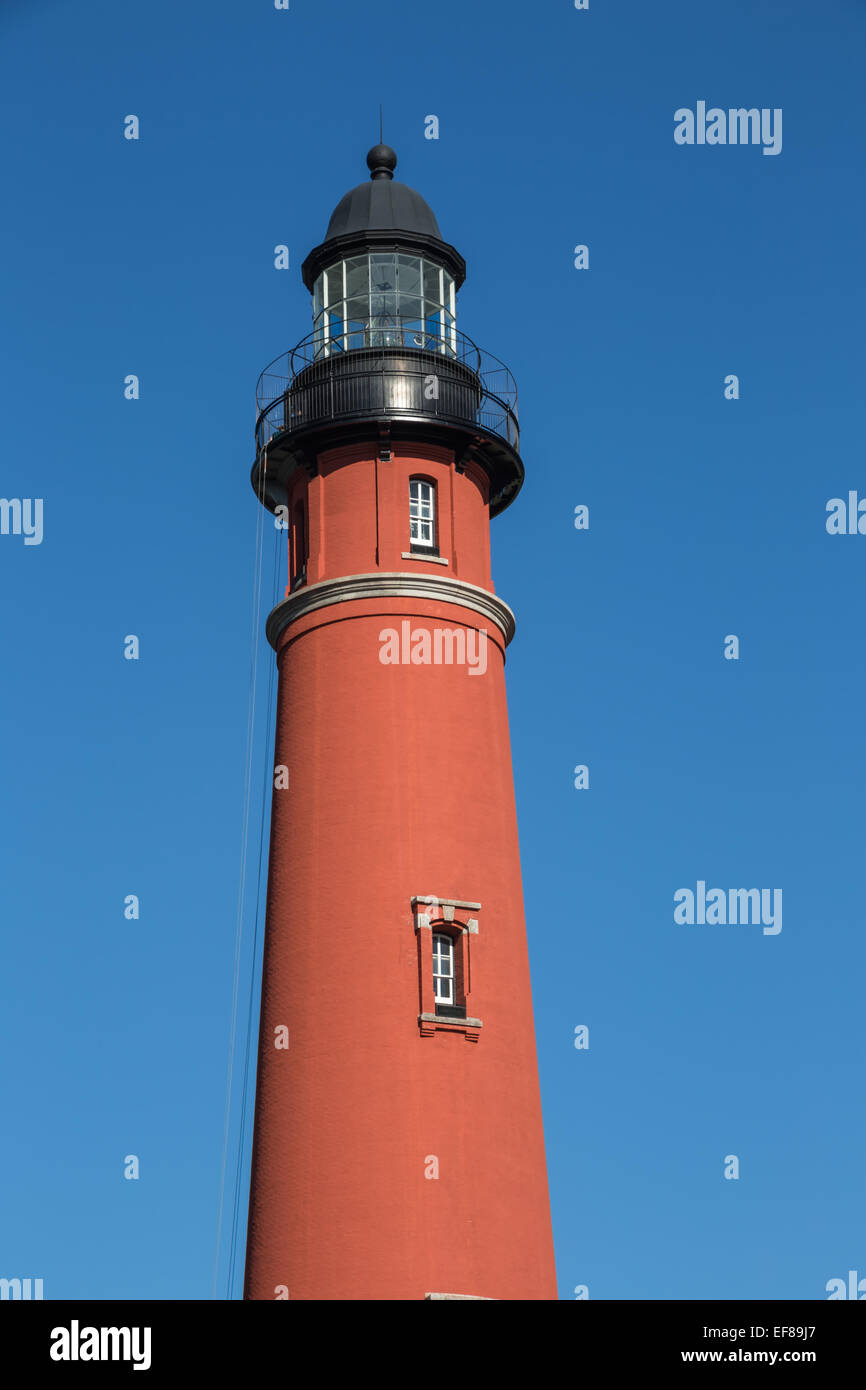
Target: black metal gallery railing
(399, 370)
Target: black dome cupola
(383, 214)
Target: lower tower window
(443, 969)
(445, 978)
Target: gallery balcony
(388, 378)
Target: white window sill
(428, 559)
(450, 1022)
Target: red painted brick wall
(400, 784)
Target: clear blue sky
(706, 518)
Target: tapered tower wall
(395, 1156)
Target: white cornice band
(351, 587)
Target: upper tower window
(422, 513)
(384, 299)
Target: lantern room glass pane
(358, 277)
(357, 315)
(383, 272)
(334, 285)
(410, 304)
(384, 327)
(432, 284)
(409, 275)
(433, 330)
(411, 310)
(384, 302)
(384, 299)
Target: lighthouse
(398, 1150)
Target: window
(448, 998)
(422, 514)
(445, 957)
(443, 969)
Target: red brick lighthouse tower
(398, 1148)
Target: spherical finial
(381, 161)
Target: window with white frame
(422, 513)
(443, 968)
